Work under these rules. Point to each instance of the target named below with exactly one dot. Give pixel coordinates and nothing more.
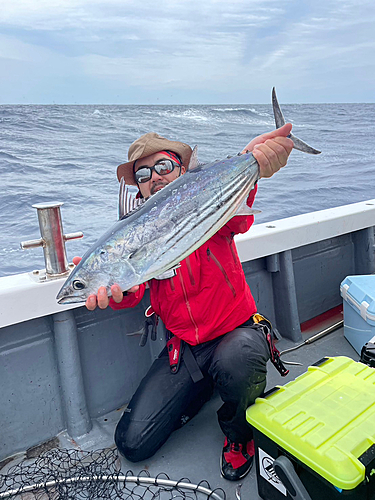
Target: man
(208, 305)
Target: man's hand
(102, 298)
(271, 150)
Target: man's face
(157, 181)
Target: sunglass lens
(164, 167)
(143, 175)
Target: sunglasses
(161, 167)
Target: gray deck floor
(194, 451)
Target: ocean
(70, 154)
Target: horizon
(177, 104)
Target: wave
(214, 116)
(250, 111)
(7, 156)
(70, 154)
(188, 114)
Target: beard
(157, 186)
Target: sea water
(70, 154)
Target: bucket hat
(146, 145)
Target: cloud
(214, 47)
(317, 48)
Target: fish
(154, 237)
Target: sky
(186, 52)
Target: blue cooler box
(358, 293)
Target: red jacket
(209, 296)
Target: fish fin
(244, 209)
(139, 253)
(280, 121)
(121, 198)
(170, 273)
(302, 146)
(193, 163)
(127, 201)
(278, 114)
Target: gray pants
(235, 363)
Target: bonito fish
(170, 225)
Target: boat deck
(194, 451)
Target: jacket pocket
(210, 255)
(230, 241)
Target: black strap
(192, 365)
(185, 353)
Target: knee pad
(130, 445)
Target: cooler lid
(325, 418)
(359, 292)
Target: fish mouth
(70, 300)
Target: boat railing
(271, 240)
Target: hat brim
(125, 170)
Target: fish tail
(280, 121)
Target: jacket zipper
(209, 255)
(230, 242)
(191, 276)
(171, 284)
(188, 306)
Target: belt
(178, 348)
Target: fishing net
(72, 474)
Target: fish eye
(78, 285)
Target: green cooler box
(324, 423)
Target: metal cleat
(53, 242)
